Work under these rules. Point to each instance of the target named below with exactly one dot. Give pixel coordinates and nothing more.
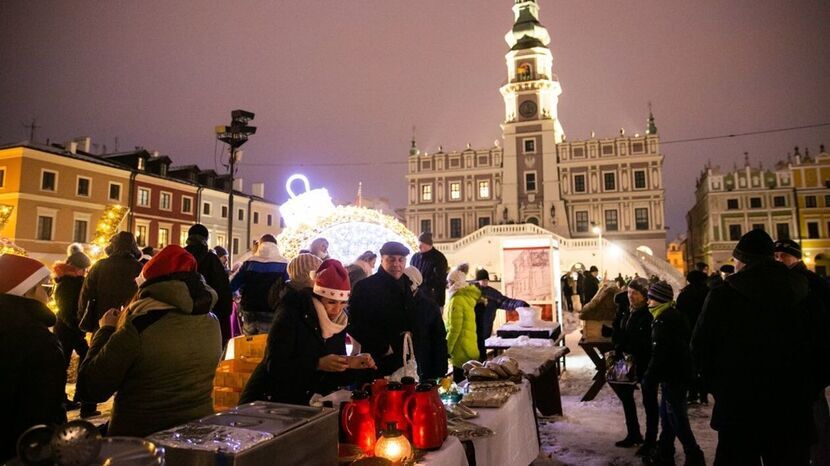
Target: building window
(269, 219)
(165, 199)
(164, 237)
(79, 231)
(810, 201)
(530, 181)
(143, 197)
(754, 202)
(483, 222)
(581, 222)
(455, 190)
(84, 186)
(579, 183)
(187, 205)
(426, 226)
(641, 218)
(141, 163)
(141, 235)
(731, 204)
(484, 189)
(579, 152)
(637, 148)
(240, 215)
(48, 180)
(455, 228)
(256, 218)
(812, 230)
(610, 181)
(44, 227)
(639, 179)
(426, 192)
(2, 177)
(532, 221)
(182, 236)
(826, 196)
(779, 201)
(529, 146)
(607, 149)
(220, 240)
(224, 211)
(734, 232)
(115, 192)
(759, 226)
(782, 231)
(235, 247)
(206, 207)
(611, 220)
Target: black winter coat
(749, 346)
(632, 335)
(381, 309)
(818, 323)
(433, 267)
(590, 288)
(67, 291)
(288, 373)
(429, 337)
(216, 277)
(110, 283)
(690, 301)
(671, 360)
(31, 369)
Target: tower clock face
(527, 109)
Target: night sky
(343, 82)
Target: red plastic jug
(358, 422)
(428, 420)
(390, 407)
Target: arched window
(524, 71)
(533, 220)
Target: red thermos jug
(358, 422)
(428, 420)
(390, 407)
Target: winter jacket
(288, 373)
(750, 349)
(429, 338)
(818, 323)
(31, 369)
(433, 267)
(216, 277)
(110, 283)
(160, 361)
(589, 288)
(256, 276)
(462, 343)
(381, 309)
(490, 301)
(671, 360)
(68, 283)
(690, 301)
(632, 335)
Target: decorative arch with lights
(350, 230)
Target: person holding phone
(306, 349)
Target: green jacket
(461, 325)
(161, 362)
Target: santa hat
(170, 260)
(332, 281)
(20, 274)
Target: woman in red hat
(306, 352)
(159, 354)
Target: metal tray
(273, 425)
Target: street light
(234, 135)
(597, 230)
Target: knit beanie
(788, 246)
(482, 274)
(199, 230)
(753, 246)
(696, 277)
(457, 280)
(414, 276)
(332, 281)
(78, 260)
(20, 274)
(123, 242)
(170, 260)
(220, 251)
(300, 268)
(661, 292)
(639, 284)
(426, 238)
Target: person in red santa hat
(159, 354)
(31, 359)
(306, 351)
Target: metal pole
(230, 207)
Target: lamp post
(234, 136)
(597, 230)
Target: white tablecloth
(499, 342)
(515, 442)
(450, 454)
(538, 326)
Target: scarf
(327, 327)
(660, 308)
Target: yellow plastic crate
(250, 347)
(224, 398)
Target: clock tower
(531, 128)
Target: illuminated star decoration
(349, 230)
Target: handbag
(410, 367)
(620, 369)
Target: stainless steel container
(259, 433)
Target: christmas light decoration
(350, 230)
(5, 213)
(107, 227)
(6, 245)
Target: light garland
(6, 245)
(107, 227)
(5, 214)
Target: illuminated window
(143, 197)
(141, 235)
(641, 218)
(164, 237)
(484, 189)
(165, 199)
(141, 163)
(426, 192)
(581, 222)
(455, 190)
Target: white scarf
(327, 327)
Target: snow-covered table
(540, 329)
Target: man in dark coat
(259, 280)
(381, 309)
(215, 275)
(490, 302)
(689, 303)
(110, 282)
(591, 285)
(433, 266)
(429, 335)
(755, 368)
(31, 359)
